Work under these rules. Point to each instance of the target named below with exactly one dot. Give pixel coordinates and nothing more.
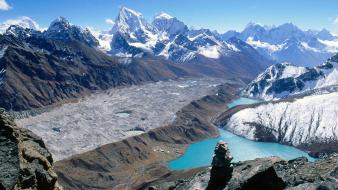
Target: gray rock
(25, 162)
(221, 170)
(275, 173)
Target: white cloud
(109, 21)
(4, 5)
(336, 20)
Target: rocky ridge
(25, 162)
(266, 173)
(282, 80)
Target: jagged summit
(62, 29)
(59, 22)
(129, 21)
(125, 11)
(254, 24)
(281, 80)
(169, 24)
(19, 31)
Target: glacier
(113, 115)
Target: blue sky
(218, 15)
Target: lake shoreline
(249, 149)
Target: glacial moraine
(114, 115)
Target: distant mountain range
(167, 37)
(170, 38)
(288, 43)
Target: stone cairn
(221, 170)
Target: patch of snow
(165, 51)
(232, 47)
(292, 71)
(331, 46)
(164, 15)
(103, 37)
(307, 47)
(258, 44)
(2, 51)
(210, 52)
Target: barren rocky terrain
(115, 114)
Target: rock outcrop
(25, 162)
(221, 170)
(272, 173)
(261, 173)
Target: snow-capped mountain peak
(129, 21)
(59, 24)
(289, 43)
(325, 35)
(20, 32)
(169, 24)
(281, 80)
(24, 22)
(62, 29)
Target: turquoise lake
(200, 154)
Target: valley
(151, 101)
(115, 114)
(149, 152)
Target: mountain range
(166, 36)
(42, 68)
(169, 37)
(288, 43)
(64, 61)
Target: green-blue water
(200, 154)
(243, 101)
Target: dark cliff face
(61, 29)
(25, 162)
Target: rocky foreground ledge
(25, 162)
(262, 173)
